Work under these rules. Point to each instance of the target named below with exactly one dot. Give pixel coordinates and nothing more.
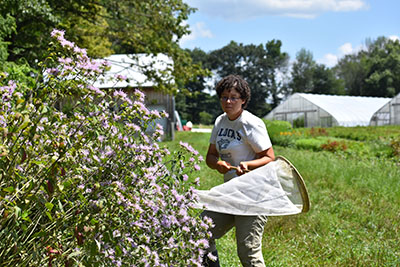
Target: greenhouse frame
(313, 110)
(389, 114)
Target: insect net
(274, 189)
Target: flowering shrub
(334, 146)
(87, 185)
(281, 133)
(395, 145)
(318, 132)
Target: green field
(355, 209)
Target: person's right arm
(212, 160)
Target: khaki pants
(249, 232)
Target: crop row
(377, 141)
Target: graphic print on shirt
(223, 144)
(226, 132)
(227, 139)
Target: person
(239, 139)
(189, 124)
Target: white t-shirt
(239, 140)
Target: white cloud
(240, 10)
(331, 60)
(345, 49)
(198, 30)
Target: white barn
(327, 110)
(389, 114)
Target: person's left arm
(258, 139)
(262, 158)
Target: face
(231, 103)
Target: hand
(223, 166)
(243, 168)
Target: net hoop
(301, 184)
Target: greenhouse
(313, 110)
(389, 114)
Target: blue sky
(327, 28)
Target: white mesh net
(274, 189)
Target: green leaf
(9, 189)
(60, 206)
(49, 215)
(25, 214)
(17, 211)
(39, 234)
(49, 206)
(24, 123)
(73, 254)
(44, 109)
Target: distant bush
(275, 127)
(318, 132)
(334, 146)
(309, 143)
(366, 141)
(205, 118)
(299, 122)
(365, 133)
(322, 143)
(395, 145)
(280, 132)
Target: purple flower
(140, 95)
(121, 77)
(188, 148)
(211, 256)
(66, 43)
(96, 90)
(57, 33)
(165, 222)
(53, 71)
(116, 233)
(119, 93)
(79, 50)
(65, 60)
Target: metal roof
(132, 67)
(348, 110)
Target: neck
(233, 117)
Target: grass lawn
(354, 218)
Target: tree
(374, 71)
(276, 69)
(325, 81)
(302, 72)
(196, 100)
(258, 65)
(310, 77)
(104, 26)
(353, 73)
(7, 27)
(34, 20)
(383, 78)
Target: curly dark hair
(235, 82)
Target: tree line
(373, 71)
(102, 27)
(106, 27)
